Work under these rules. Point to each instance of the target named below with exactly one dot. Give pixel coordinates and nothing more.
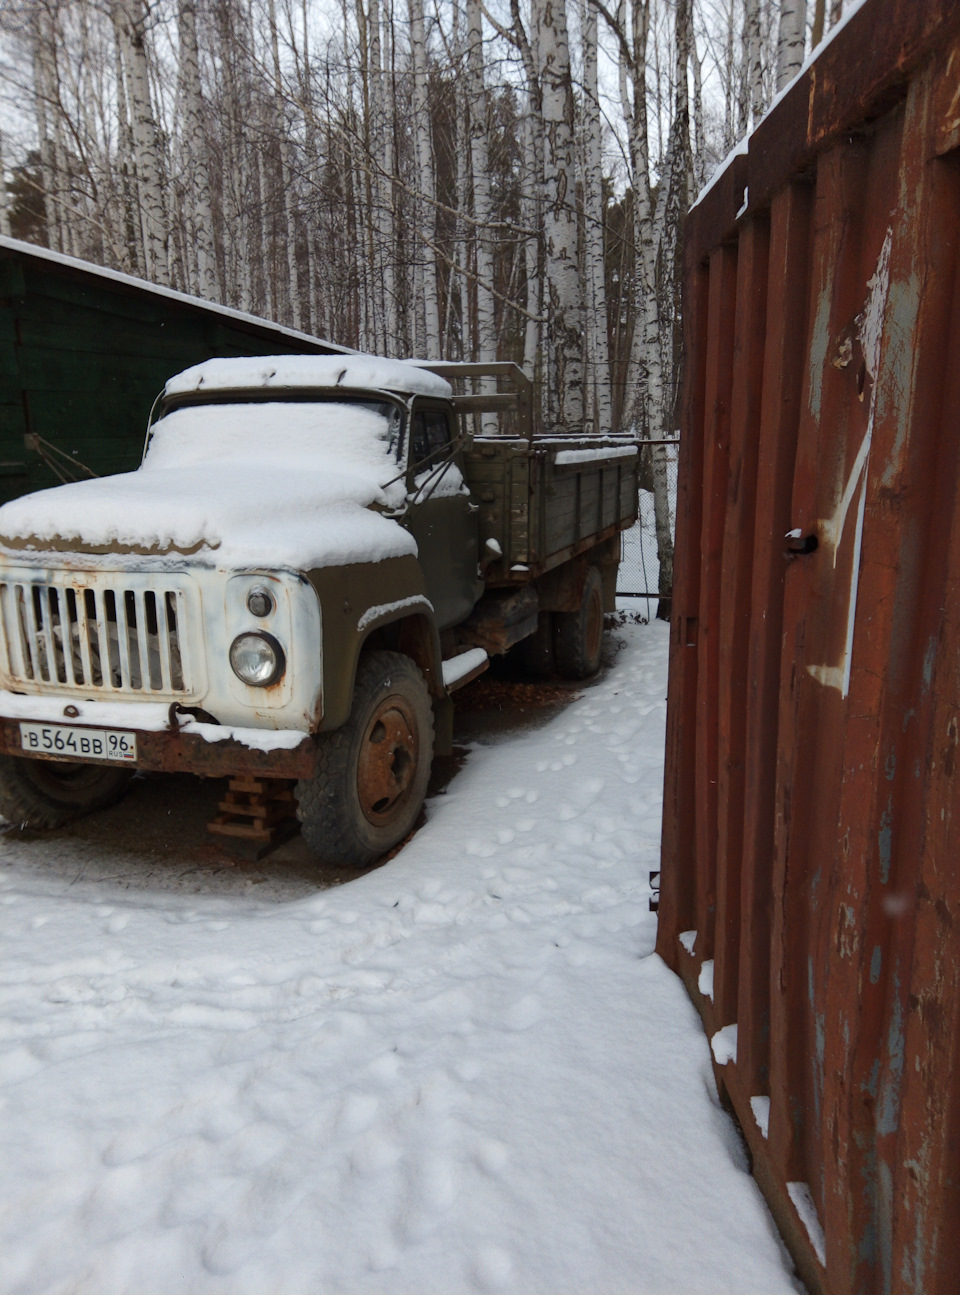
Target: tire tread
(325, 823)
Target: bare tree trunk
(750, 106)
(199, 215)
(597, 366)
(127, 179)
(479, 165)
(793, 23)
(369, 26)
(4, 196)
(289, 217)
(311, 167)
(731, 85)
(530, 219)
(425, 217)
(388, 169)
(819, 14)
(699, 150)
(675, 192)
(531, 195)
(129, 18)
(44, 91)
(565, 302)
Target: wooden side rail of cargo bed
(520, 399)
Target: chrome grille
(103, 638)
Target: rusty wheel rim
(389, 757)
(594, 626)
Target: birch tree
(560, 233)
(424, 211)
(129, 20)
(790, 41)
(482, 211)
(5, 228)
(199, 213)
(598, 410)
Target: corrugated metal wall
(811, 856)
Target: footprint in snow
(482, 849)
(524, 1013)
(492, 1156)
(431, 1190)
(492, 1268)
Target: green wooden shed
(83, 353)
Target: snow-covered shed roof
(282, 372)
(158, 290)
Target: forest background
(433, 178)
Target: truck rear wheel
(371, 775)
(45, 794)
(579, 634)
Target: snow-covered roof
(117, 276)
(276, 372)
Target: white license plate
(79, 743)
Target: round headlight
(259, 601)
(257, 659)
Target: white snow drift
(465, 1072)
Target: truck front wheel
(371, 775)
(579, 634)
(45, 794)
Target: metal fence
(638, 584)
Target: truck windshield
(309, 434)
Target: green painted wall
(82, 357)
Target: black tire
(43, 794)
(535, 654)
(579, 634)
(371, 775)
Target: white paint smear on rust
(870, 333)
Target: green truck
(315, 552)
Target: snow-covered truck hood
(285, 484)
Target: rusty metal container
(810, 886)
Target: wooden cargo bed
(546, 505)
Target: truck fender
(415, 635)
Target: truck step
(461, 669)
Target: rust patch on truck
(185, 752)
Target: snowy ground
(463, 1071)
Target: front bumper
(167, 741)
